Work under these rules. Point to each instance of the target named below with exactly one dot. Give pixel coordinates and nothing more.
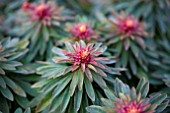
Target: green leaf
(145, 90)
(97, 46)
(89, 89)
(45, 33)
(99, 80)
(127, 44)
(78, 99)
(159, 99)
(2, 71)
(44, 69)
(135, 49)
(15, 87)
(133, 65)
(2, 82)
(36, 100)
(101, 72)
(66, 100)
(4, 105)
(7, 67)
(81, 79)
(69, 47)
(14, 63)
(44, 103)
(60, 87)
(122, 95)
(40, 83)
(124, 58)
(22, 44)
(74, 83)
(119, 48)
(95, 109)
(121, 87)
(35, 37)
(27, 88)
(152, 107)
(140, 85)
(57, 101)
(18, 54)
(18, 110)
(114, 40)
(7, 93)
(89, 74)
(55, 72)
(110, 95)
(28, 110)
(49, 48)
(162, 106)
(42, 45)
(107, 102)
(133, 94)
(22, 101)
(85, 103)
(54, 83)
(71, 108)
(58, 51)
(83, 44)
(31, 55)
(28, 35)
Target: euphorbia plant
(126, 100)
(86, 57)
(71, 76)
(161, 69)
(83, 29)
(125, 36)
(40, 21)
(128, 28)
(153, 12)
(13, 85)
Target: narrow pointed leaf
(89, 89)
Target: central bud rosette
(82, 31)
(133, 109)
(130, 23)
(127, 106)
(83, 28)
(42, 11)
(41, 8)
(83, 56)
(84, 53)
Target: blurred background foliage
(21, 54)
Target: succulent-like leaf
(13, 84)
(59, 76)
(122, 101)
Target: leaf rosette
(125, 36)
(71, 77)
(126, 100)
(40, 23)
